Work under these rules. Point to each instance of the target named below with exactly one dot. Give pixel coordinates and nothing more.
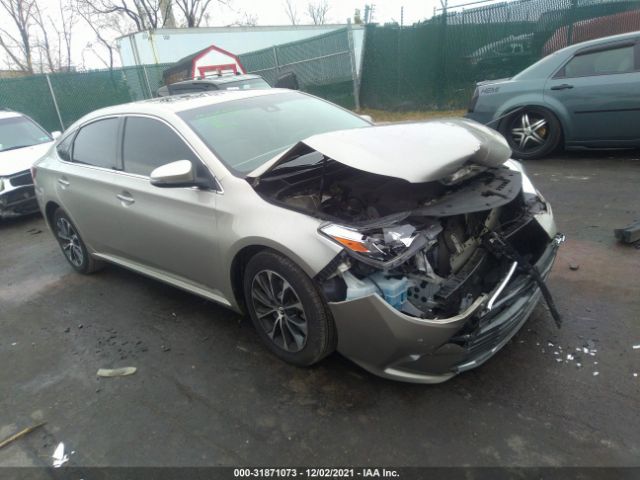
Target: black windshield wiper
(16, 147)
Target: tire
(527, 141)
(72, 246)
(287, 310)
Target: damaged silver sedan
(416, 250)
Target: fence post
(276, 61)
(55, 102)
(146, 78)
(442, 60)
(571, 16)
(354, 68)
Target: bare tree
(144, 14)
(43, 44)
(105, 29)
(54, 37)
(318, 11)
(69, 20)
(291, 11)
(18, 46)
(167, 13)
(195, 10)
(246, 19)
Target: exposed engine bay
(429, 249)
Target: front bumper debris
(18, 201)
(391, 344)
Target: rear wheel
(72, 245)
(290, 315)
(532, 132)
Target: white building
(167, 45)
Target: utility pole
(401, 16)
(168, 20)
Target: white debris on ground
(580, 355)
(59, 457)
(574, 355)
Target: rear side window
(149, 144)
(96, 144)
(64, 148)
(605, 62)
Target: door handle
(125, 198)
(63, 183)
(564, 86)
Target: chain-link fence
(57, 100)
(324, 65)
(436, 64)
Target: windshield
(250, 84)
(246, 133)
(18, 132)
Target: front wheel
(287, 310)
(532, 132)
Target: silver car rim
(529, 132)
(279, 311)
(70, 242)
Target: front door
(167, 230)
(601, 91)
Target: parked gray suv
(583, 96)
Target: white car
(22, 142)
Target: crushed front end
(17, 195)
(439, 268)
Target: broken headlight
(381, 247)
(462, 174)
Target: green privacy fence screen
(77, 93)
(431, 65)
(324, 65)
(437, 63)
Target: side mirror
(174, 175)
(367, 118)
(55, 134)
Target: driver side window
(149, 144)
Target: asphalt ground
(207, 393)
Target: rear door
(87, 181)
(169, 230)
(600, 88)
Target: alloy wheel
(279, 311)
(529, 131)
(70, 242)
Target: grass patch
(386, 116)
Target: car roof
(220, 79)
(177, 103)
(601, 41)
(547, 65)
(9, 114)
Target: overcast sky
(266, 12)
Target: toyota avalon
(416, 250)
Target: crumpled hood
(416, 152)
(21, 159)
